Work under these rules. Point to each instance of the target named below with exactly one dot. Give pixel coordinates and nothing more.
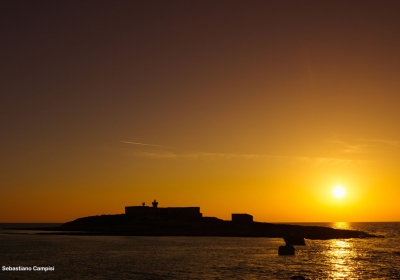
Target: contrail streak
(143, 144)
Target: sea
(144, 257)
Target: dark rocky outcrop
(148, 225)
(286, 250)
(294, 240)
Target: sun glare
(339, 192)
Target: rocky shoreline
(128, 225)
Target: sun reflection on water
(341, 256)
(341, 225)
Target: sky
(258, 107)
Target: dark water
(115, 257)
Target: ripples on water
(108, 257)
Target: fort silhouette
(176, 212)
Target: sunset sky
(258, 107)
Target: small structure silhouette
(242, 218)
(171, 212)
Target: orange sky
(259, 107)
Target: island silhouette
(188, 221)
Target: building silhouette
(176, 212)
(242, 218)
(171, 212)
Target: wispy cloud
(164, 154)
(363, 145)
(216, 156)
(381, 141)
(154, 154)
(350, 148)
(189, 155)
(320, 160)
(143, 144)
(197, 155)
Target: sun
(339, 192)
